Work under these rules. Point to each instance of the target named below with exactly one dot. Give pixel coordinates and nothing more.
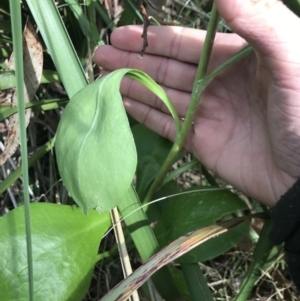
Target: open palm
(247, 127)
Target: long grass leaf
(196, 282)
(36, 105)
(80, 16)
(16, 21)
(102, 12)
(146, 242)
(171, 252)
(58, 45)
(264, 255)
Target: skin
(247, 127)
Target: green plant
(97, 160)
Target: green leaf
(96, 154)
(196, 282)
(149, 83)
(193, 209)
(103, 13)
(168, 254)
(146, 243)
(152, 150)
(65, 244)
(58, 44)
(7, 79)
(293, 5)
(265, 255)
(80, 16)
(127, 15)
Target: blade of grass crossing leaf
(196, 282)
(8, 78)
(58, 45)
(171, 252)
(146, 243)
(15, 8)
(39, 105)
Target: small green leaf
(65, 244)
(191, 210)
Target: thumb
(268, 25)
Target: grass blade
(174, 250)
(146, 243)
(16, 21)
(196, 282)
(58, 45)
(265, 254)
(80, 16)
(102, 12)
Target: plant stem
(198, 88)
(264, 256)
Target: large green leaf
(65, 244)
(96, 154)
(95, 150)
(191, 210)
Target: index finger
(180, 43)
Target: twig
(146, 23)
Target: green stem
(146, 243)
(15, 8)
(199, 86)
(264, 255)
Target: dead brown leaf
(33, 68)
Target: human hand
(247, 127)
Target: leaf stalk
(198, 88)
